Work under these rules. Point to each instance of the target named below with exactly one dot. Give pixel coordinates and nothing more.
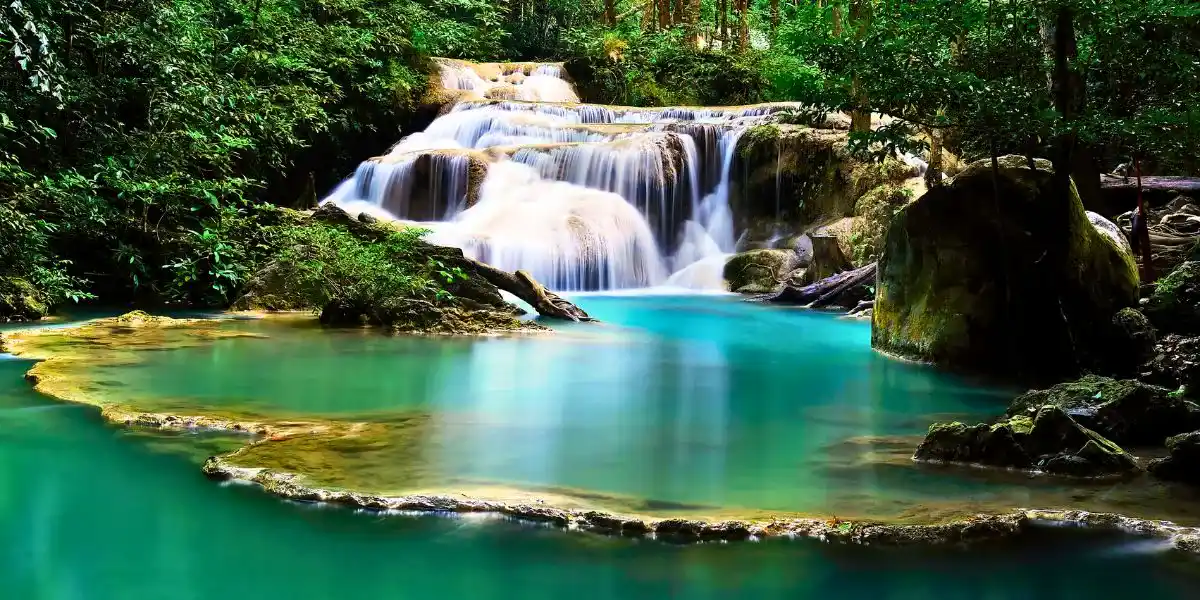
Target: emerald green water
(89, 512)
(674, 405)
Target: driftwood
(843, 289)
(1178, 184)
(522, 285)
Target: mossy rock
(1174, 307)
(1183, 463)
(1011, 284)
(1132, 342)
(798, 177)
(471, 304)
(1049, 441)
(875, 211)
(759, 271)
(1124, 410)
(21, 301)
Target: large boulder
(797, 176)
(21, 301)
(1049, 441)
(1125, 411)
(1183, 464)
(759, 271)
(1003, 276)
(1175, 305)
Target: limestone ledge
(979, 528)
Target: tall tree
(743, 11)
(860, 18)
(664, 14)
(610, 12)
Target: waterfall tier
(518, 173)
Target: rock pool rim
(978, 528)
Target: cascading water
(583, 196)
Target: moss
(758, 271)
(1050, 441)
(876, 210)
(1124, 410)
(20, 300)
(756, 137)
(1175, 304)
(1012, 284)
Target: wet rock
(1051, 441)
(726, 530)
(759, 271)
(611, 524)
(1175, 364)
(1175, 305)
(21, 301)
(1131, 343)
(1183, 464)
(993, 445)
(875, 210)
(1012, 284)
(679, 529)
(1123, 410)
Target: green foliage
(320, 264)
(138, 139)
(660, 69)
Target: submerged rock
(21, 301)
(1050, 441)
(1184, 462)
(1012, 283)
(1123, 410)
(759, 271)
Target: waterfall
(585, 197)
(569, 237)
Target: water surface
(90, 512)
(700, 405)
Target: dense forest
(145, 143)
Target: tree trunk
(648, 16)
(723, 22)
(743, 25)
(664, 14)
(774, 16)
(678, 12)
(933, 175)
(837, 18)
(610, 12)
(522, 285)
(691, 20)
(860, 117)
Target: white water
(585, 197)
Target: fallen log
(841, 289)
(522, 285)
(1178, 184)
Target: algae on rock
(759, 271)
(1001, 276)
(1175, 304)
(21, 301)
(361, 272)
(1125, 411)
(1183, 464)
(1049, 441)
